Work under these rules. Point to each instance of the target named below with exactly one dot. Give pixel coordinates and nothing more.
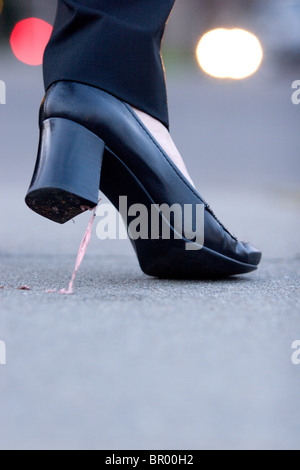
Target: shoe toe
(254, 255)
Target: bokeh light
(29, 39)
(229, 53)
(1, 6)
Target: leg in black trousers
(114, 45)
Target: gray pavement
(131, 362)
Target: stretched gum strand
(81, 254)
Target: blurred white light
(229, 53)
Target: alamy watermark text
(2, 353)
(296, 353)
(296, 94)
(153, 222)
(2, 92)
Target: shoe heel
(67, 174)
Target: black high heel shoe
(89, 136)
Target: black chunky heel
(68, 170)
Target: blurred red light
(29, 39)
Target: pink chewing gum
(81, 254)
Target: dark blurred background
(277, 22)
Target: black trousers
(114, 45)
